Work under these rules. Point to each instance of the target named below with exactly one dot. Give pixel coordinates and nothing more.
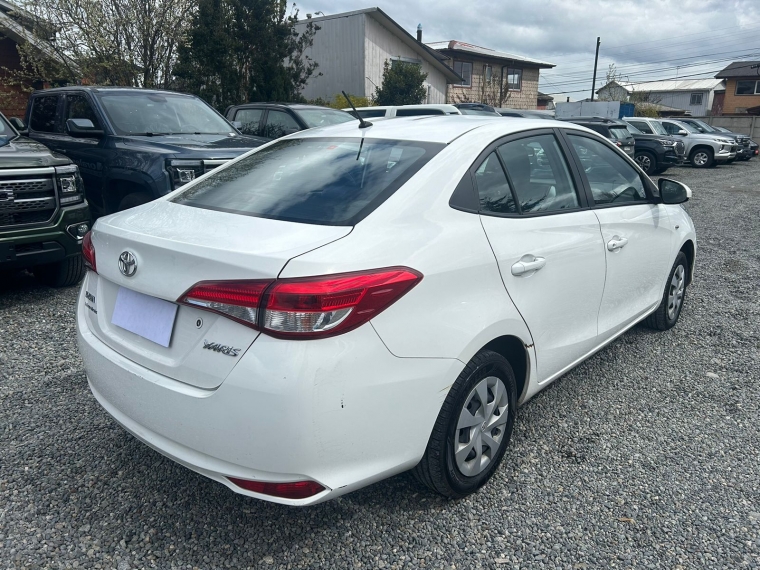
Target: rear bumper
(341, 411)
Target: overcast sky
(646, 39)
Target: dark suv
(43, 212)
(275, 120)
(616, 131)
(133, 145)
(656, 153)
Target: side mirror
(673, 192)
(82, 128)
(682, 133)
(237, 124)
(17, 123)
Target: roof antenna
(362, 123)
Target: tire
(133, 200)
(62, 273)
(666, 316)
(661, 169)
(702, 157)
(646, 161)
(439, 468)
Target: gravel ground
(645, 456)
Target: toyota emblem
(127, 264)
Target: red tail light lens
(312, 307)
(88, 252)
(294, 490)
(238, 300)
(333, 304)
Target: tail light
(88, 252)
(294, 490)
(312, 307)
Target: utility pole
(596, 60)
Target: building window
(488, 73)
(748, 87)
(696, 99)
(464, 69)
(514, 79)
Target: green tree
(402, 84)
(239, 51)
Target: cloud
(662, 33)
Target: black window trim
(649, 187)
(457, 200)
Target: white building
(352, 47)
(693, 95)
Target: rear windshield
(418, 112)
(325, 181)
(620, 133)
(369, 113)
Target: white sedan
(348, 303)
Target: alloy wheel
(675, 292)
(481, 427)
(644, 162)
(701, 158)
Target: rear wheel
(63, 273)
(702, 157)
(666, 315)
(646, 161)
(473, 428)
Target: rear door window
(44, 114)
(325, 181)
(494, 193)
(539, 174)
(619, 133)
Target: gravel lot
(645, 456)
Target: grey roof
(740, 69)
(434, 58)
(668, 85)
(463, 47)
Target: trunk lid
(175, 247)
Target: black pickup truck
(43, 212)
(132, 145)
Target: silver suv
(703, 150)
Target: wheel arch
(515, 351)
(690, 251)
(119, 188)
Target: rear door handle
(616, 243)
(528, 264)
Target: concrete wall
(380, 45)
(732, 101)
(748, 125)
(339, 50)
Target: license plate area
(145, 316)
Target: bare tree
(113, 42)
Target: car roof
(595, 120)
(278, 104)
(99, 88)
(445, 107)
(434, 128)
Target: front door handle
(528, 264)
(616, 243)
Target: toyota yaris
(348, 303)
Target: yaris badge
(127, 264)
